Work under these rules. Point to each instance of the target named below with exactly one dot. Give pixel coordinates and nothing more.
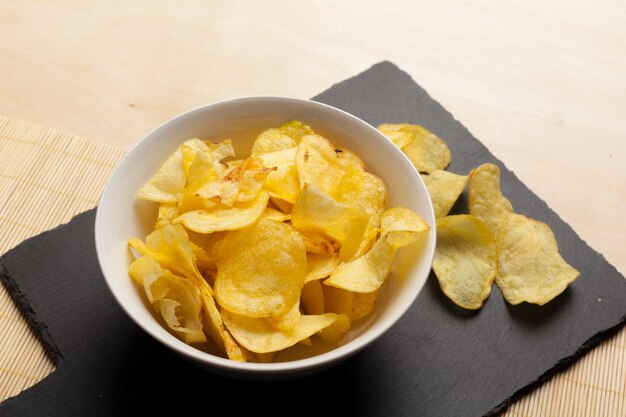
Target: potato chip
(312, 298)
(316, 155)
(400, 138)
(288, 320)
(281, 204)
(261, 269)
(200, 173)
(167, 213)
(283, 181)
(402, 226)
(318, 213)
(485, 199)
(530, 267)
(286, 136)
(335, 332)
(338, 301)
(444, 189)
(427, 151)
(242, 184)
(257, 335)
(171, 248)
(365, 274)
(176, 299)
(465, 260)
(367, 193)
(214, 326)
(273, 214)
(317, 244)
(225, 218)
(320, 265)
(260, 357)
(167, 184)
(364, 304)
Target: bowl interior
(120, 216)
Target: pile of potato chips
(259, 254)
(492, 242)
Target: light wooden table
(542, 85)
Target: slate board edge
(39, 328)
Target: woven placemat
(47, 176)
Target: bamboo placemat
(47, 176)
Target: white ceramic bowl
(120, 217)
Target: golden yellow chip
(283, 181)
(171, 248)
(365, 274)
(317, 244)
(225, 218)
(167, 213)
(286, 136)
(465, 260)
(444, 189)
(168, 182)
(312, 298)
(530, 267)
(400, 138)
(288, 320)
(214, 326)
(318, 213)
(427, 151)
(261, 269)
(335, 332)
(176, 299)
(338, 301)
(364, 304)
(320, 265)
(321, 165)
(200, 173)
(273, 214)
(257, 335)
(485, 198)
(242, 184)
(282, 205)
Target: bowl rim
(301, 365)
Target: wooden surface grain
(540, 83)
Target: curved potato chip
(530, 267)
(316, 155)
(400, 138)
(283, 137)
(367, 193)
(200, 173)
(241, 184)
(364, 304)
(283, 181)
(168, 182)
(214, 326)
(177, 299)
(338, 301)
(281, 204)
(171, 248)
(365, 274)
(427, 151)
(402, 226)
(335, 332)
(312, 298)
(317, 244)
(485, 198)
(260, 269)
(465, 260)
(225, 218)
(288, 320)
(320, 265)
(257, 335)
(444, 189)
(167, 214)
(318, 213)
(273, 214)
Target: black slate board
(437, 361)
